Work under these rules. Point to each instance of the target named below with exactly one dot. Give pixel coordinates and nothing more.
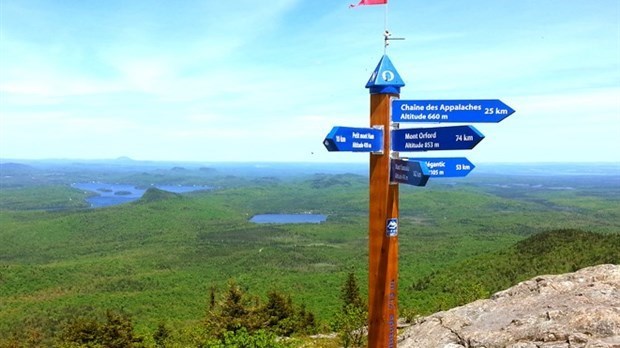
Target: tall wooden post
(384, 84)
(387, 170)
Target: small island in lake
(122, 193)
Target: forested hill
(156, 262)
(153, 194)
(551, 252)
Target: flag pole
(385, 28)
(385, 17)
(387, 36)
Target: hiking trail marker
(354, 139)
(459, 111)
(414, 173)
(437, 138)
(444, 167)
(383, 141)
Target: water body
(288, 219)
(114, 194)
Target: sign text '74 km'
(436, 138)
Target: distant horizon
(244, 81)
(130, 159)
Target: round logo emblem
(387, 76)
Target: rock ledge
(573, 310)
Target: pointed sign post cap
(385, 79)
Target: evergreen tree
(306, 322)
(350, 323)
(234, 306)
(279, 313)
(350, 292)
(212, 298)
(161, 335)
(233, 313)
(117, 332)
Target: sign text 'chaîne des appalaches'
(450, 111)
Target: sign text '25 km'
(455, 111)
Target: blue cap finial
(385, 79)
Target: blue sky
(247, 80)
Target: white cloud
(242, 79)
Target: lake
(288, 219)
(114, 194)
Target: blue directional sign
(455, 111)
(408, 172)
(437, 138)
(354, 139)
(442, 167)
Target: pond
(288, 218)
(114, 194)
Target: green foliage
(350, 293)
(161, 336)
(86, 331)
(551, 252)
(153, 194)
(350, 323)
(158, 258)
(306, 321)
(322, 181)
(238, 311)
(279, 314)
(212, 298)
(44, 197)
(243, 339)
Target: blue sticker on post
(391, 227)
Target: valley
(157, 257)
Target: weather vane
(387, 37)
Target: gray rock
(574, 310)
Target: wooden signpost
(384, 141)
(384, 84)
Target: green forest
(191, 270)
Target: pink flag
(370, 2)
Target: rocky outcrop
(574, 310)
